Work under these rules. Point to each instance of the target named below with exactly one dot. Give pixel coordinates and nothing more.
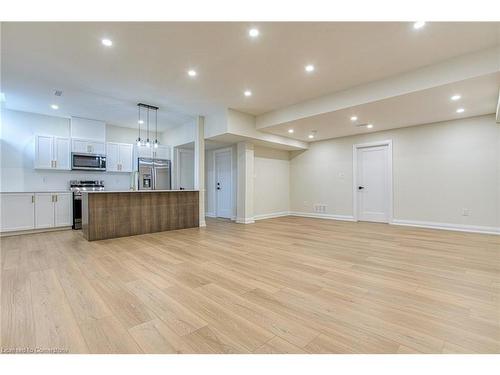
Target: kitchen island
(111, 214)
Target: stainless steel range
(78, 187)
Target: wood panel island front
(111, 214)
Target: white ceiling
(148, 63)
(478, 97)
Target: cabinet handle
(55, 163)
(32, 199)
(55, 196)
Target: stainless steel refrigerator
(154, 174)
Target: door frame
(177, 163)
(218, 151)
(355, 149)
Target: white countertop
(35, 191)
(134, 191)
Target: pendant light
(139, 121)
(146, 142)
(156, 129)
(147, 134)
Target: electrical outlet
(319, 208)
(465, 212)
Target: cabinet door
(44, 152)
(97, 148)
(17, 211)
(112, 157)
(62, 153)
(63, 209)
(162, 152)
(144, 152)
(44, 210)
(80, 146)
(126, 157)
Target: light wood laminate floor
(284, 285)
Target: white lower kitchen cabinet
(63, 209)
(17, 211)
(27, 211)
(44, 210)
(53, 210)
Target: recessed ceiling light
(107, 42)
(54, 106)
(247, 93)
(290, 131)
(309, 68)
(369, 126)
(455, 97)
(354, 118)
(192, 73)
(311, 136)
(141, 122)
(253, 33)
(418, 25)
(460, 110)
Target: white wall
(271, 181)
(179, 135)
(17, 154)
(438, 170)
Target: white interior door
(186, 169)
(223, 184)
(373, 183)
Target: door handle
(361, 187)
(218, 185)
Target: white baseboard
(33, 231)
(322, 216)
(210, 214)
(409, 223)
(245, 220)
(271, 215)
(448, 226)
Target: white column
(244, 195)
(199, 165)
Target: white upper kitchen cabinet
(144, 152)
(52, 152)
(85, 146)
(126, 153)
(17, 211)
(119, 157)
(44, 155)
(162, 152)
(62, 153)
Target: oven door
(88, 162)
(77, 211)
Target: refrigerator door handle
(153, 169)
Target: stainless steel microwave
(88, 162)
